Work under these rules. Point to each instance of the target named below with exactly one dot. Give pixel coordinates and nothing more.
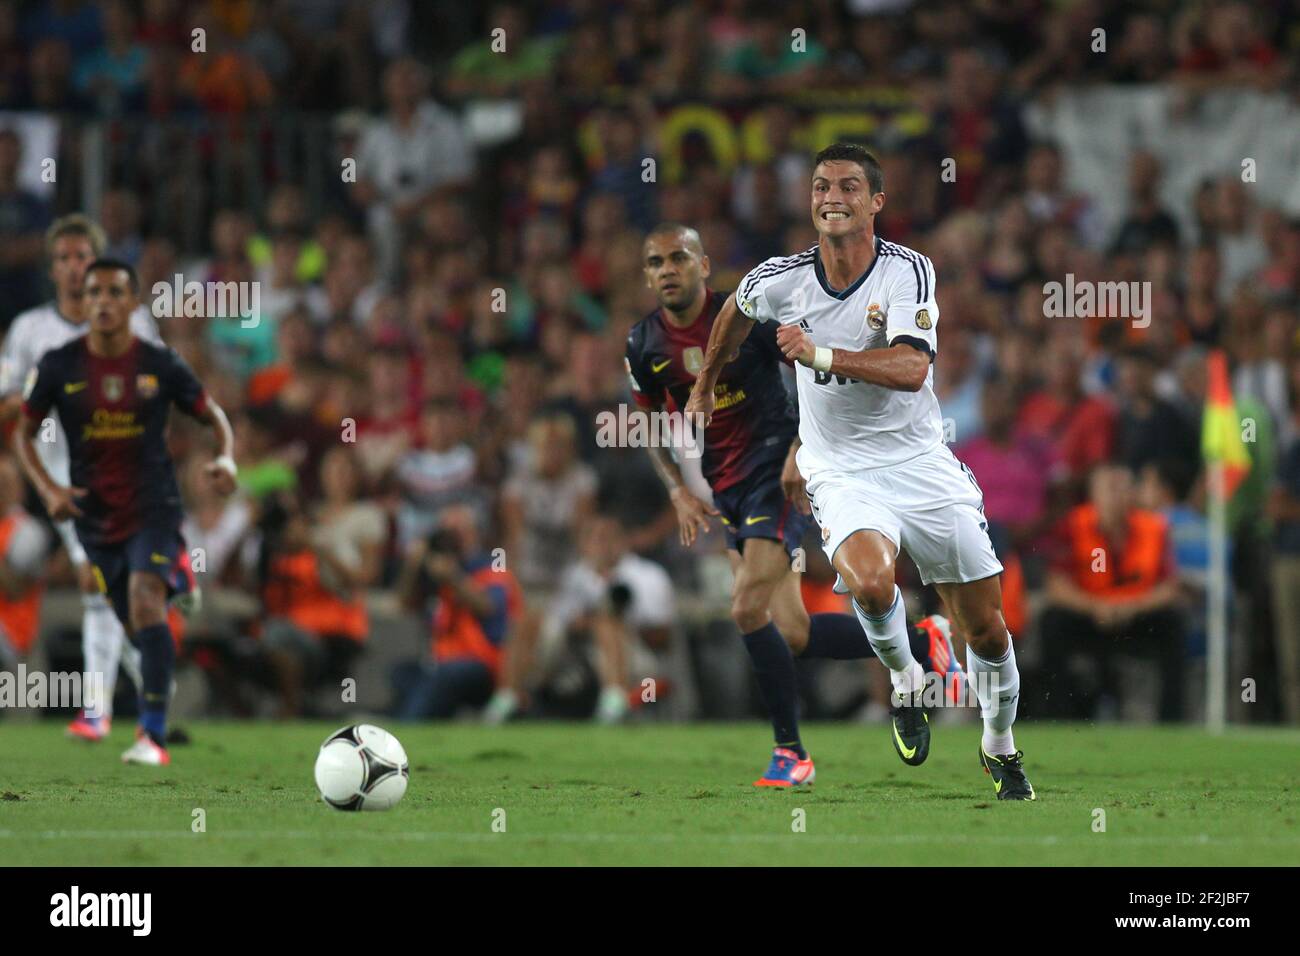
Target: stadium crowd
(415, 407)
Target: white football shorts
(930, 506)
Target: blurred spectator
(23, 541)
(116, 71)
(23, 218)
(544, 503)
(119, 214)
(417, 148)
(621, 603)
(1113, 587)
(436, 475)
(74, 22)
(501, 62)
(1148, 428)
(475, 602)
(1147, 222)
(1014, 472)
(353, 529)
(1079, 427)
(316, 620)
(1221, 44)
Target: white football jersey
(30, 336)
(847, 425)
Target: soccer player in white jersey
(858, 314)
(72, 243)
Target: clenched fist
(795, 344)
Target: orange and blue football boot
(92, 729)
(943, 659)
(787, 770)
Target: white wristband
(822, 359)
(226, 463)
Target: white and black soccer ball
(362, 767)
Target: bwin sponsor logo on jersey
(826, 378)
(132, 910)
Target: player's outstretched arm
(60, 502)
(730, 329)
(221, 470)
(692, 513)
(900, 367)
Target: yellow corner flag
(1221, 428)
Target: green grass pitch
(650, 795)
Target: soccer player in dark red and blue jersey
(748, 461)
(113, 392)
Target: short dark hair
(674, 229)
(855, 153)
(115, 264)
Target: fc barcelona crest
(113, 387)
(693, 359)
(146, 385)
(875, 318)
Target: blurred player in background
(857, 314)
(748, 461)
(72, 243)
(113, 391)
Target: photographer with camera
(611, 597)
(472, 601)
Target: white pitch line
(1203, 839)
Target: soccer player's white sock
(999, 696)
(889, 639)
(102, 637)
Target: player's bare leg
(789, 614)
(976, 608)
(865, 562)
(147, 598)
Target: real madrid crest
(923, 319)
(875, 318)
(113, 387)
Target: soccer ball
(362, 767)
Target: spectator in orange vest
(315, 606)
(473, 600)
(22, 556)
(1112, 586)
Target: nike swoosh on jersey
(750, 521)
(73, 387)
(657, 368)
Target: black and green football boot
(1009, 780)
(910, 732)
